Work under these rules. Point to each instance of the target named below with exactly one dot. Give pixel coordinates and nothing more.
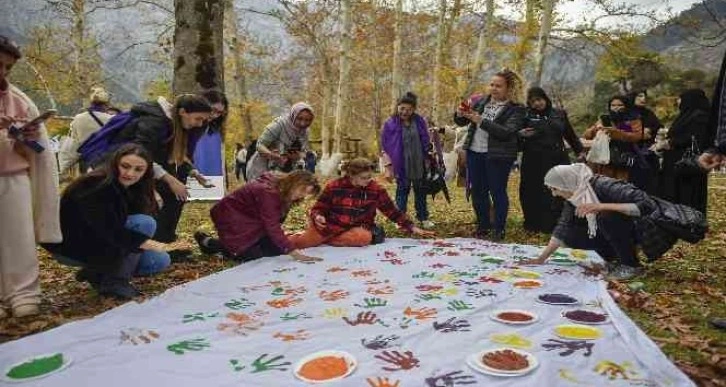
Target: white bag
(600, 149)
(450, 159)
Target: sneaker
(427, 224)
(180, 256)
(624, 273)
(117, 288)
(719, 323)
(25, 310)
(201, 238)
(378, 235)
(481, 234)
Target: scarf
(575, 178)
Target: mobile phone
(606, 121)
(40, 119)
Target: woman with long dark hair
(689, 131)
(542, 149)
(249, 220)
(491, 149)
(107, 224)
(165, 131)
(625, 130)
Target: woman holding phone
(625, 130)
(28, 194)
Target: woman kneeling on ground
(345, 212)
(249, 220)
(107, 225)
(616, 218)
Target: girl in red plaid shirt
(345, 212)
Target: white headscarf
(575, 178)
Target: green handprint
(458, 305)
(424, 274)
(290, 317)
(427, 297)
(236, 365)
(262, 365)
(188, 345)
(372, 303)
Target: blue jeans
(488, 178)
(150, 262)
(403, 187)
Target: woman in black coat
(542, 149)
(689, 130)
(107, 226)
(607, 215)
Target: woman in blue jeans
(491, 148)
(107, 224)
(405, 139)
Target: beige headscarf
(575, 178)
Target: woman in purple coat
(405, 139)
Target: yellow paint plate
(527, 274)
(578, 332)
(511, 339)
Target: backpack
(100, 143)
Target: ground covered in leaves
(680, 294)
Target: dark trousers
(403, 188)
(240, 168)
(262, 248)
(488, 178)
(168, 217)
(615, 238)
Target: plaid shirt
(345, 206)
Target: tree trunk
(326, 80)
(481, 46)
(544, 34)
(439, 60)
(397, 84)
(198, 46)
(526, 34)
(238, 45)
(343, 81)
(78, 9)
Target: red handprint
(362, 273)
(493, 280)
(336, 269)
(420, 314)
(402, 361)
(381, 291)
(429, 288)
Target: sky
(579, 10)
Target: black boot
(88, 275)
(115, 283)
(378, 235)
(202, 239)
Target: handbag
(685, 166)
(620, 156)
(681, 221)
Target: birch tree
(544, 34)
(396, 79)
(198, 46)
(526, 35)
(341, 103)
(485, 33)
(442, 37)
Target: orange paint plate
(325, 366)
(527, 284)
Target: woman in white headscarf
(605, 215)
(282, 142)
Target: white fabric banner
(408, 310)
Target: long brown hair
(191, 103)
(515, 84)
(357, 166)
(141, 192)
(288, 182)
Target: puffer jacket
(503, 138)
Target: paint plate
(587, 317)
(332, 366)
(476, 362)
(516, 317)
(557, 299)
(527, 274)
(36, 367)
(561, 262)
(492, 259)
(511, 339)
(577, 332)
(527, 284)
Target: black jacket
(549, 132)
(503, 139)
(93, 219)
(653, 240)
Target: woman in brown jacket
(625, 130)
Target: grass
(682, 291)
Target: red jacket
(246, 215)
(345, 206)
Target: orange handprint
(382, 382)
(299, 335)
(334, 295)
(280, 303)
(336, 269)
(420, 314)
(381, 291)
(362, 273)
